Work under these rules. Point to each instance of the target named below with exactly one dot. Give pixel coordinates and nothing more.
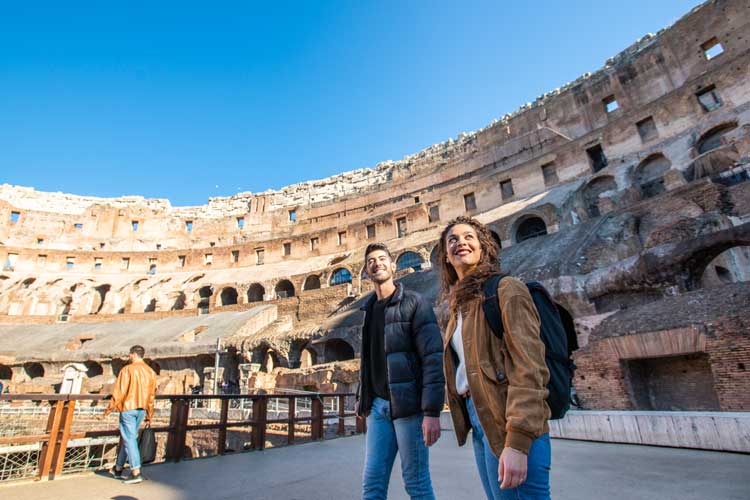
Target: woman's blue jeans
(385, 438)
(130, 421)
(536, 486)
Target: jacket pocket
(495, 375)
(495, 392)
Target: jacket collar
(395, 298)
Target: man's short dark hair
(139, 350)
(377, 246)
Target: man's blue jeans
(536, 486)
(130, 422)
(386, 437)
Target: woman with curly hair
(496, 386)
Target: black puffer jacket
(414, 350)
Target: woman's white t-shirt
(462, 381)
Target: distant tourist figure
(402, 387)
(132, 396)
(496, 386)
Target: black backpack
(557, 332)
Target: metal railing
(65, 447)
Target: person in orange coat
(133, 397)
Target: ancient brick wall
(673, 383)
(601, 380)
(729, 350)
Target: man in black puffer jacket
(401, 382)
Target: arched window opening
(730, 266)
(255, 293)
(204, 294)
(28, 282)
(433, 256)
(270, 361)
(151, 306)
(649, 175)
(93, 369)
(117, 365)
(179, 302)
(409, 260)
(530, 228)
(154, 365)
(497, 240)
(338, 350)
(33, 370)
(713, 138)
(102, 291)
(341, 276)
(284, 289)
(312, 282)
(308, 358)
(6, 373)
(228, 296)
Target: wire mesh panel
(90, 454)
(19, 462)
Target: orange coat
(134, 389)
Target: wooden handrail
(62, 413)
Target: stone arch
(409, 259)
(6, 372)
(337, 350)
(204, 296)
(308, 357)
(100, 297)
(228, 296)
(730, 266)
(712, 139)
(649, 175)
(434, 256)
(154, 365)
(312, 282)
(341, 276)
(271, 360)
(528, 227)
(67, 303)
(696, 263)
(117, 365)
(255, 293)
(496, 238)
(713, 156)
(33, 370)
(150, 307)
(179, 302)
(284, 289)
(193, 278)
(136, 284)
(593, 189)
(93, 369)
(267, 357)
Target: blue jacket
(414, 351)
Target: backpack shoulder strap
(491, 305)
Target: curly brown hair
(458, 293)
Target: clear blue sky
(174, 99)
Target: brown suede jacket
(134, 389)
(507, 377)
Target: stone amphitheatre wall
(636, 173)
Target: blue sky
(188, 100)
